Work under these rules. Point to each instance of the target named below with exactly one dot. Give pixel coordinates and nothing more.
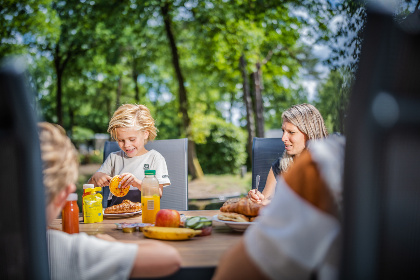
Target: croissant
(243, 206)
(126, 206)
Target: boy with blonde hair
(132, 126)
(79, 256)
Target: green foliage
(93, 157)
(110, 53)
(82, 133)
(333, 98)
(220, 145)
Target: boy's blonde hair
(309, 121)
(59, 159)
(133, 116)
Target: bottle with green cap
(150, 197)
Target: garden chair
(22, 208)
(381, 187)
(175, 152)
(264, 152)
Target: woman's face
(294, 139)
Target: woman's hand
(128, 179)
(101, 179)
(255, 196)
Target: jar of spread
(70, 215)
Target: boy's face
(131, 141)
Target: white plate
(121, 215)
(238, 226)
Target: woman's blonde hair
(59, 159)
(133, 116)
(309, 121)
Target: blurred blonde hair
(309, 121)
(133, 116)
(59, 159)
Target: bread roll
(243, 206)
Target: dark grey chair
(175, 152)
(23, 242)
(382, 167)
(264, 152)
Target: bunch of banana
(168, 233)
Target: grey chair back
(175, 152)
(23, 242)
(264, 152)
(382, 166)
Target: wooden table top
(202, 251)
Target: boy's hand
(105, 237)
(101, 179)
(128, 179)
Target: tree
(333, 97)
(193, 164)
(26, 23)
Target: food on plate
(115, 187)
(244, 206)
(202, 223)
(167, 218)
(168, 233)
(126, 206)
(234, 217)
(140, 226)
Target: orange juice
(150, 205)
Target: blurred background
(217, 72)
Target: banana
(168, 233)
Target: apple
(167, 218)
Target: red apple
(167, 218)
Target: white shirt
(83, 257)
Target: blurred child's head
(137, 117)
(59, 159)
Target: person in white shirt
(132, 126)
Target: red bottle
(70, 215)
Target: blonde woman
(301, 123)
(132, 126)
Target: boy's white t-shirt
(79, 256)
(118, 163)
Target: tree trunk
(135, 76)
(259, 107)
(193, 164)
(119, 90)
(136, 87)
(71, 115)
(248, 105)
(59, 73)
(232, 103)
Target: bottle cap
(149, 172)
(72, 197)
(88, 186)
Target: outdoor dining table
(200, 255)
